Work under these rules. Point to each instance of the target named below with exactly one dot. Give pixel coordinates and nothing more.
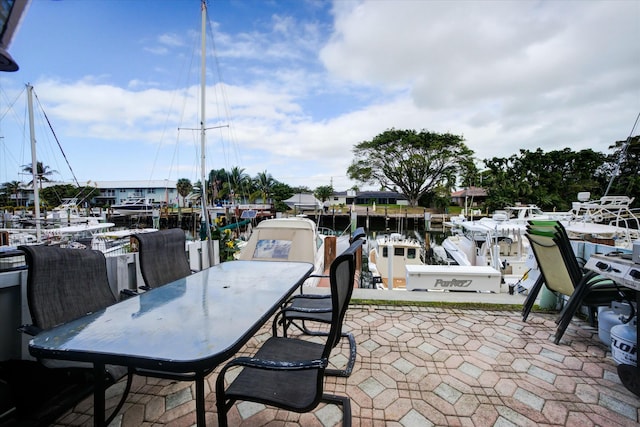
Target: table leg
(98, 394)
(200, 413)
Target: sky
(293, 85)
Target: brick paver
(421, 366)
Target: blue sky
(296, 84)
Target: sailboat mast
(203, 86)
(34, 164)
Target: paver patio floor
(424, 366)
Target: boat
(135, 205)
(397, 262)
(116, 242)
(498, 242)
(389, 271)
(69, 212)
(608, 220)
(290, 239)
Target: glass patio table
(189, 326)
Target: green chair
(561, 274)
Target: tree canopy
(550, 179)
(410, 162)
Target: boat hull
(453, 278)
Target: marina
(143, 301)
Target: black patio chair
(62, 285)
(287, 372)
(303, 308)
(163, 257)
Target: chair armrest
(310, 276)
(126, 293)
(310, 296)
(29, 330)
(282, 365)
(306, 310)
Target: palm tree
(184, 187)
(264, 182)
(42, 172)
(239, 181)
(14, 188)
(323, 192)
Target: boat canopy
(282, 239)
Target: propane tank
(608, 317)
(624, 339)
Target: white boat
(523, 213)
(68, 212)
(116, 242)
(77, 236)
(388, 258)
(610, 210)
(289, 239)
(135, 205)
(609, 220)
(497, 242)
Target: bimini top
(282, 239)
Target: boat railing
(12, 259)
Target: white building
(113, 192)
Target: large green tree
(550, 180)
(624, 169)
(413, 163)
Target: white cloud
(504, 74)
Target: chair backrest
(64, 284)
(556, 230)
(552, 266)
(163, 256)
(341, 277)
(358, 233)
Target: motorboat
(68, 212)
(397, 262)
(389, 256)
(498, 242)
(290, 239)
(116, 242)
(76, 236)
(135, 205)
(609, 220)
